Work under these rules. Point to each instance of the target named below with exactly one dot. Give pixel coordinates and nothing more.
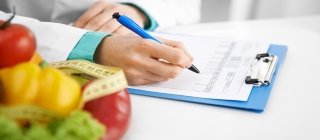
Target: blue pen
(130, 24)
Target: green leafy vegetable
(9, 130)
(78, 126)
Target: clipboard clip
(262, 70)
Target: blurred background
(226, 10)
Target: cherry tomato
(17, 44)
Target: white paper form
(223, 67)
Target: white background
(222, 10)
(293, 110)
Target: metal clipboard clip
(262, 70)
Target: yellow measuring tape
(98, 81)
(28, 112)
(107, 80)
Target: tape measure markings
(30, 112)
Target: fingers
(173, 55)
(163, 69)
(136, 82)
(110, 26)
(176, 44)
(136, 77)
(89, 14)
(122, 31)
(148, 70)
(160, 68)
(99, 17)
(154, 77)
(98, 21)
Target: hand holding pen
(130, 24)
(139, 58)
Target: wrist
(87, 45)
(98, 54)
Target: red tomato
(113, 111)
(17, 44)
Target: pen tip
(116, 15)
(194, 69)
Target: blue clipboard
(258, 97)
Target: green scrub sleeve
(86, 46)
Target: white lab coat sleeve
(54, 41)
(167, 13)
(170, 13)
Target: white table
(293, 110)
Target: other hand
(99, 18)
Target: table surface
(293, 109)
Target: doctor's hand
(139, 58)
(99, 18)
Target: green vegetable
(78, 126)
(70, 129)
(37, 132)
(9, 130)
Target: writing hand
(139, 58)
